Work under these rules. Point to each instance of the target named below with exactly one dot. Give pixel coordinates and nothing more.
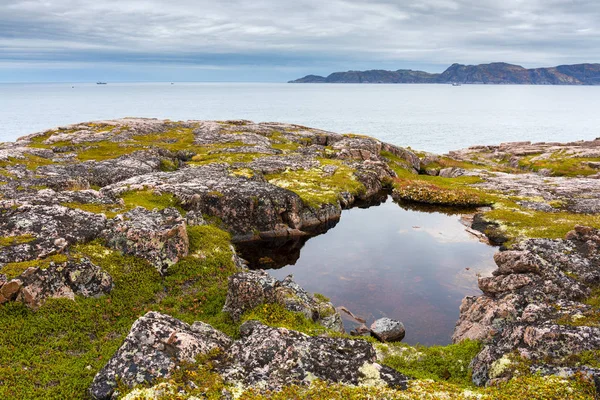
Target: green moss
(167, 165)
(316, 188)
(276, 315)
(321, 297)
(561, 164)
(440, 191)
(30, 162)
(13, 240)
(12, 270)
(110, 210)
(205, 158)
(518, 222)
(150, 200)
(440, 363)
(79, 337)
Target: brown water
(387, 260)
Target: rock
(157, 236)
(388, 330)
(247, 290)
(51, 227)
(269, 358)
(451, 172)
(34, 286)
(154, 347)
(538, 283)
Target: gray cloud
(301, 34)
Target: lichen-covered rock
(65, 280)
(269, 358)
(533, 306)
(388, 330)
(154, 347)
(157, 236)
(51, 227)
(247, 290)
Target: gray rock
(157, 236)
(388, 330)
(154, 347)
(247, 290)
(538, 283)
(271, 358)
(66, 280)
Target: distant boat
(455, 83)
(100, 83)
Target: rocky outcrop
(154, 347)
(66, 280)
(247, 290)
(265, 358)
(271, 358)
(51, 228)
(388, 330)
(533, 306)
(157, 236)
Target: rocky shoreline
(121, 233)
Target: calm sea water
(435, 118)
(388, 261)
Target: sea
(434, 118)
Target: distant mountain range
(494, 73)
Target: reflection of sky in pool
(394, 262)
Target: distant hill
(494, 73)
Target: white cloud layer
(310, 33)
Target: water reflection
(411, 264)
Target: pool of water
(388, 260)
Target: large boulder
(65, 280)
(271, 358)
(154, 347)
(157, 236)
(247, 290)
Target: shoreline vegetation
(118, 230)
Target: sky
(278, 40)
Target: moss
(150, 200)
(440, 363)
(276, 315)
(14, 240)
(561, 164)
(439, 192)
(80, 336)
(588, 318)
(30, 162)
(316, 188)
(518, 222)
(167, 165)
(227, 158)
(321, 298)
(12, 270)
(110, 210)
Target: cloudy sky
(278, 40)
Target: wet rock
(66, 280)
(531, 303)
(388, 330)
(157, 236)
(247, 290)
(271, 358)
(154, 347)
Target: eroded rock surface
(533, 306)
(64, 280)
(157, 236)
(156, 344)
(247, 290)
(271, 358)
